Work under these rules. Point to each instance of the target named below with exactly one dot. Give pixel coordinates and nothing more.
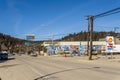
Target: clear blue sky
(48, 17)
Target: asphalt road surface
(57, 68)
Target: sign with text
(30, 36)
(27, 43)
(109, 43)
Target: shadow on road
(1, 61)
(42, 77)
(11, 58)
(6, 66)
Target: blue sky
(50, 17)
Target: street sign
(110, 47)
(30, 36)
(110, 39)
(27, 43)
(109, 43)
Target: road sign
(110, 39)
(30, 36)
(27, 43)
(110, 47)
(109, 43)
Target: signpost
(30, 36)
(27, 43)
(109, 45)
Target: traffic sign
(27, 43)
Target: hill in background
(82, 36)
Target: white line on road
(33, 69)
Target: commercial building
(72, 47)
(56, 47)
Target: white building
(63, 43)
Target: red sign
(110, 46)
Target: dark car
(3, 56)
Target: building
(116, 40)
(57, 47)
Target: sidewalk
(98, 58)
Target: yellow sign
(110, 40)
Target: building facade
(72, 47)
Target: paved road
(58, 68)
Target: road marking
(86, 60)
(33, 69)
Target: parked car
(3, 56)
(13, 53)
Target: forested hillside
(15, 44)
(82, 36)
(10, 42)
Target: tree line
(82, 36)
(15, 44)
(11, 43)
(18, 45)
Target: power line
(106, 28)
(107, 14)
(50, 37)
(90, 25)
(110, 12)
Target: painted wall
(74, 48)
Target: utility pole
(90, 25)
(52, 40)
(88, 37)
(115, 29)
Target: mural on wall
(72, 49)
(83, 49)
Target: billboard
(30, 36)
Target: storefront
(73, 47)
